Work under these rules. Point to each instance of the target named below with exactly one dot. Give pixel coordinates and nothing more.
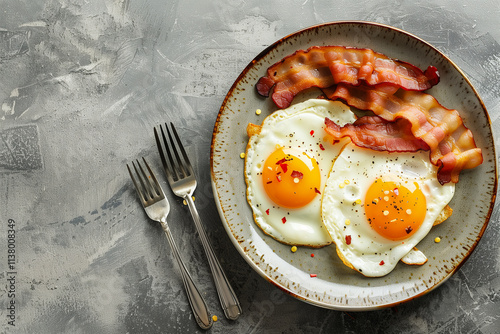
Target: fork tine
(170, 165)
(143, 179)
(187, 164)
(180, 165)
(148, 187)
(176, 171)
(155, 185)
(161, 151)
(137, 186)
(176, 168)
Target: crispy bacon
(375, 133)
(452, 145)
(324, 66)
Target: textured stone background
(83, 82)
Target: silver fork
(157, 208)
(180, 176)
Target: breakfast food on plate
(390, 88)
(396, 170)
(378, 205)
(451, 144)
(287, 162)
(324, 66)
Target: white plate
(336, 286)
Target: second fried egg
(377, 206)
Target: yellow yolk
(394, 211)
(291, 178)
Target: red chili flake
(313, 275)
(297, 174)
(321, 147)
(279, 162)
(312, 254)
(267, 211)
(284, 167)
(396, 191)
(317, 191)
(408, 229)
(382, 263)
(278, 177)
(268, 182)
(348, 239)
(283, 220)
(311, 133)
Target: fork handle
(196, 300)
(229, 301)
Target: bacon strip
(452, 145)
(324, 66)
(378, 134)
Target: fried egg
(287, 162)
(377, 206)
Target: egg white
(292, 127)
(343, 217)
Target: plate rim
(235, 242)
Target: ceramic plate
(336, 286)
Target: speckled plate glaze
(336, 286)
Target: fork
(157, 208)
(180, 176)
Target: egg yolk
(394, 211)
(291, 178)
